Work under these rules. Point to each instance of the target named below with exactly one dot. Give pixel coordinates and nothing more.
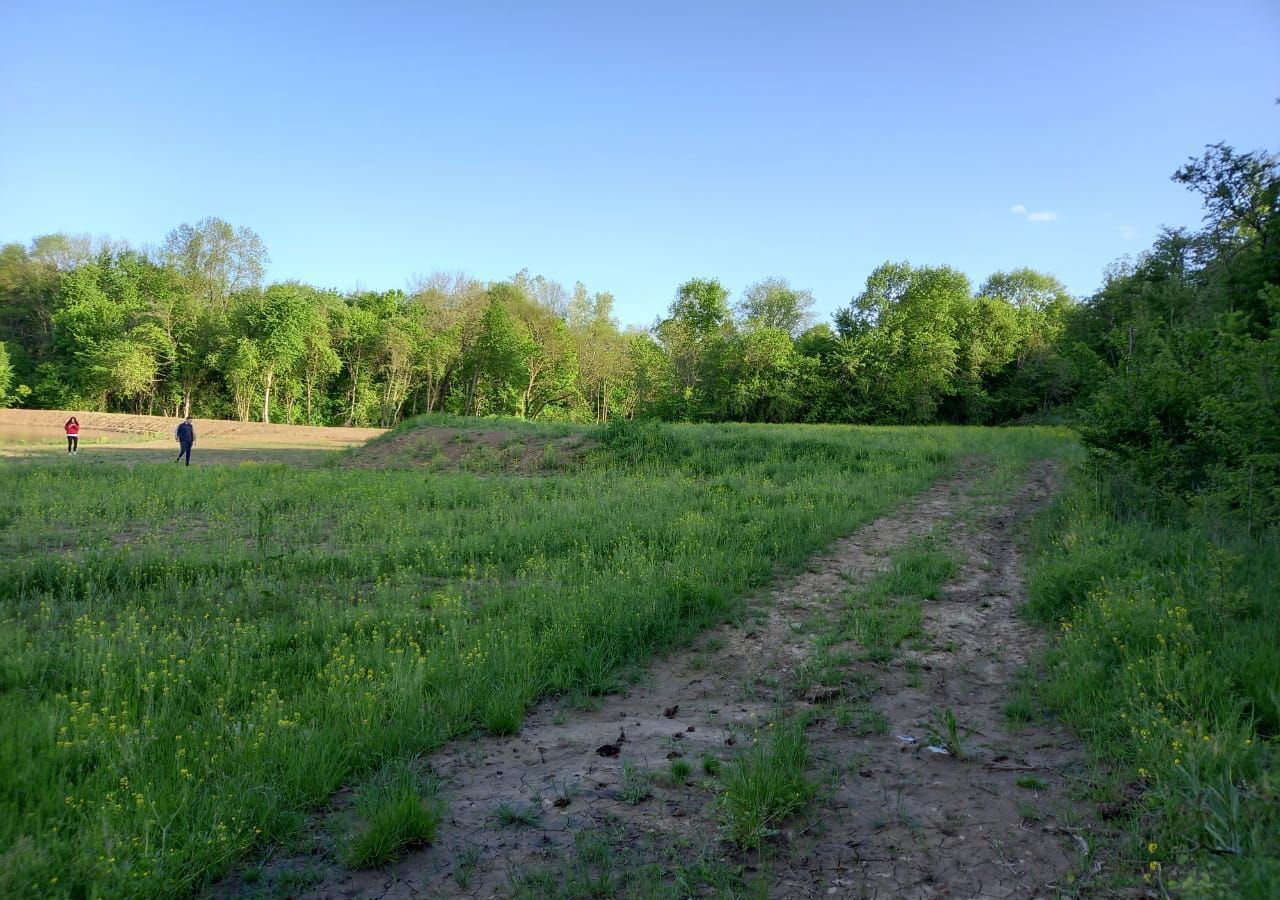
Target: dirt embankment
(35, 425)
(473, 449)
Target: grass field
(192, 659)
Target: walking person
(186, 435)
(72, 428)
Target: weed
(1166, 662)
(393, 814)
(517, 814)
(1030, 782)
(637, 784)
(765, 784)
(464, 865)
(944, 731)
(862, 718)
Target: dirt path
(892, 818)
(916, 823)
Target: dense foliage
(1186, 341)
(191, 328)
(1159, 564)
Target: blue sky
(632, 146)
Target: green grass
(192, 659)
(765, 783)
(1167, 664)
(393, 813)
(637, 784)
(887, 612)
(508, 815)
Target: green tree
(217, 259)
(899, 351)
(278, 322)
(697, 324)
(601, 351)
(651, 376)
(1189, 335)
(763, 377)
(355, 331)
(774, 303)
(319, 362)
(447, 308)
(6, 377)
(550, 356)
(242, 370)
(494, 373)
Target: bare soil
(892, 819)
(27, 425)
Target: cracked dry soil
(891, 819)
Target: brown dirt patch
(30, 425)
(911, 822)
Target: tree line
(1170, 367)
(190, 328)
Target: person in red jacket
(72, 428)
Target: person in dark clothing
(72, 428)
(186, 435)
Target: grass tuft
(764, 784)
(394, 812)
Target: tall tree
(217, 259)
(277, 321)
(774, 303)
(319, 361)
(900, 349)
(494, 371)
(697, 322)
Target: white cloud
(1043, 216)
(1126, 231)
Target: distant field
(115, 437)
(191, 659)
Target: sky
(632, 146)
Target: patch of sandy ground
(28, 425)
(895, 819)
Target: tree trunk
(266, 398)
